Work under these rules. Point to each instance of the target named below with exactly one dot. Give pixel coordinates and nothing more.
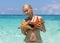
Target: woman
(31, 27)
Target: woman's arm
(41, 25)
(25, 27)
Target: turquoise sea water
(9, 32)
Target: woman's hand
(20, 27)
(31, 28)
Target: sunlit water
(9, 32)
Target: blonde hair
(27, 5)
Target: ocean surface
(9, 32)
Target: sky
(39, 6)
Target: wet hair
(27, 5)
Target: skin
(27, 9)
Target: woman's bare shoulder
(40, 17)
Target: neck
(31, 15)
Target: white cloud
(12, 8)
(2, 13)
(9, 8)
(54, 1)
(50, 9)
(10, 11)
(36, 9)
